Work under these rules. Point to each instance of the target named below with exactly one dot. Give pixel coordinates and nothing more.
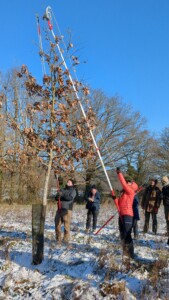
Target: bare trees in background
(162, 152)
(121, 136)
(38, 121)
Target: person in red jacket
(125, 208)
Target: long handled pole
(40, 45)
(48, 18)
(106, 223)
(58, 191)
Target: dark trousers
(92, 213)
(154, 221)
(166, 212)
(125, 227)
(135, 228)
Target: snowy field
(92, 267)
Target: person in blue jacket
(92, 206)
(136, 216)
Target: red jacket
(125, 202)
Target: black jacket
(67, 196)
(151, 198)
(165, 195)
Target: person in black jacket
(65, 200)
(165, 196)
(92, 206)
(151, 201)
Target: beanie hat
(165, 180)
(94, 187)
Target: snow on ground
(92, 267)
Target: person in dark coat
(165, 196)
(151, 201)
(136, 216)
(65, 200)
(92, 206)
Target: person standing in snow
(165, 196)
(92, 206)
(125, 208)
(65, 200)
(150, 203)
(136, 216)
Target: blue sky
(124, 42)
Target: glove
(118, 170)
(113, 195)
(57, 196)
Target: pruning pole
(106, 223)
(49, 19)
(40, 45)
(58, 190)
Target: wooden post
(38, 223)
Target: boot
(131, 250)
(66, 238)
(128, 250)
(125, 250)
(145, 230)
(154, 229)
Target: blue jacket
(135, 208)
(95, 205)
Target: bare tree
(162, 152)
(119, 131)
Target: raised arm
(123, 182)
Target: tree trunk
(12, 187)
(38, 222)
(1, 185)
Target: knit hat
(165, 180)
(94, 187)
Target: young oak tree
(49, 132)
